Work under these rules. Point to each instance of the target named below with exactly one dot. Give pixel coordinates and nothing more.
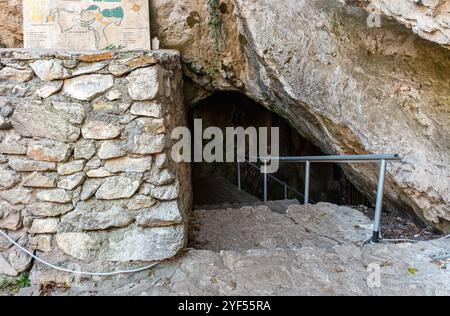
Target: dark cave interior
(234, 109)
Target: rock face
(346, 87)
(73, 178)
(11, 26)
(428, 19)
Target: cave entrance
(216, 183)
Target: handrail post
(239, 175)
(307, 179)
(379, 203)
(265, 181)
(285, 191)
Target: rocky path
(313, 250)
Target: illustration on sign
(87, 24)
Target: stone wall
(85, 171)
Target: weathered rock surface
(41, 243)
(121, 187)
(40, 180)
(146, 144)
(163, 214)
(347, 87)
(49, 89)
(71, 167)
(11, 222)
(315, 250)
(150, 244)
(8, 178)
(74, 112)
(428, 19)
(49, 70)
(17, 196)
(144, 84)
(84, 149)
(44, 226)
(49, 209)
(26, 164)
(20, 75)
(166, 193)
(87, 87)
(151, 109)
(89, 220)
(11, 26)
(129, 165)
(49, 151)
(76, 245)
(55, 196)
(72, 182)
(12, 149)
(110, 150)
(33, 119)
(100, 130)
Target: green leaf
(413, 271)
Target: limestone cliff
(346, 87)
(11, 23)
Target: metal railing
(308, 160)
(287, 187)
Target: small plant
(215, 24)
(113, 47)
(5, 283)
(413, 271)
(23, 280)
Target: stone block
(163, 214)
(40, 180)
(110, 150)
(72, 167)
(144, 83)
(77, 245)
(29, 165)
(129, 165)
(32, 119)
(56, 196)
(87, 87)
(49, 209)
(72, 182)
(44, 226)
(88, 220)
(150, 109)
(150, 244)
(100, 130)
(120, 187)
(166, 193)
(48, 70)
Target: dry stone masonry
(85, 171)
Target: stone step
(279, 206)
(216, 190)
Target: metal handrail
(286, 186)
(326, 159)
(382, 159)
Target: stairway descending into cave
(216, 192)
